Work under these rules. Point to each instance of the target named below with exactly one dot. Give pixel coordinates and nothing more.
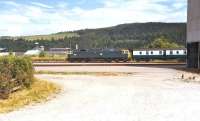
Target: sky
(31, 17)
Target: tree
(163, 42)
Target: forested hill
(136, 35)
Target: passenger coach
(160, 54)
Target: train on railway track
(123, 55)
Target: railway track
(110, 64)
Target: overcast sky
(29, 17)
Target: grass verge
(87, 73)
(40, 91)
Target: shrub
(42, 54)
(15, 72)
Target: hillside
(135, 35)
(56, 36)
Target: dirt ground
(151, 94)
(98, 68)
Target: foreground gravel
(152, 94)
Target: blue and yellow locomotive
(96, 55)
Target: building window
(171, 52)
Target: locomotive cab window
(125, 52)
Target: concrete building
(59, 51)
(193, 34)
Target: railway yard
(146, 93)
(66, 61)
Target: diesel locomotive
(91, 55)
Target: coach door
(164, 53)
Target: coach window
(151, 52)
(140, 53)
(160, 52)
(185, 52)
(177, 52)
(171, 52)
(147, 52)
